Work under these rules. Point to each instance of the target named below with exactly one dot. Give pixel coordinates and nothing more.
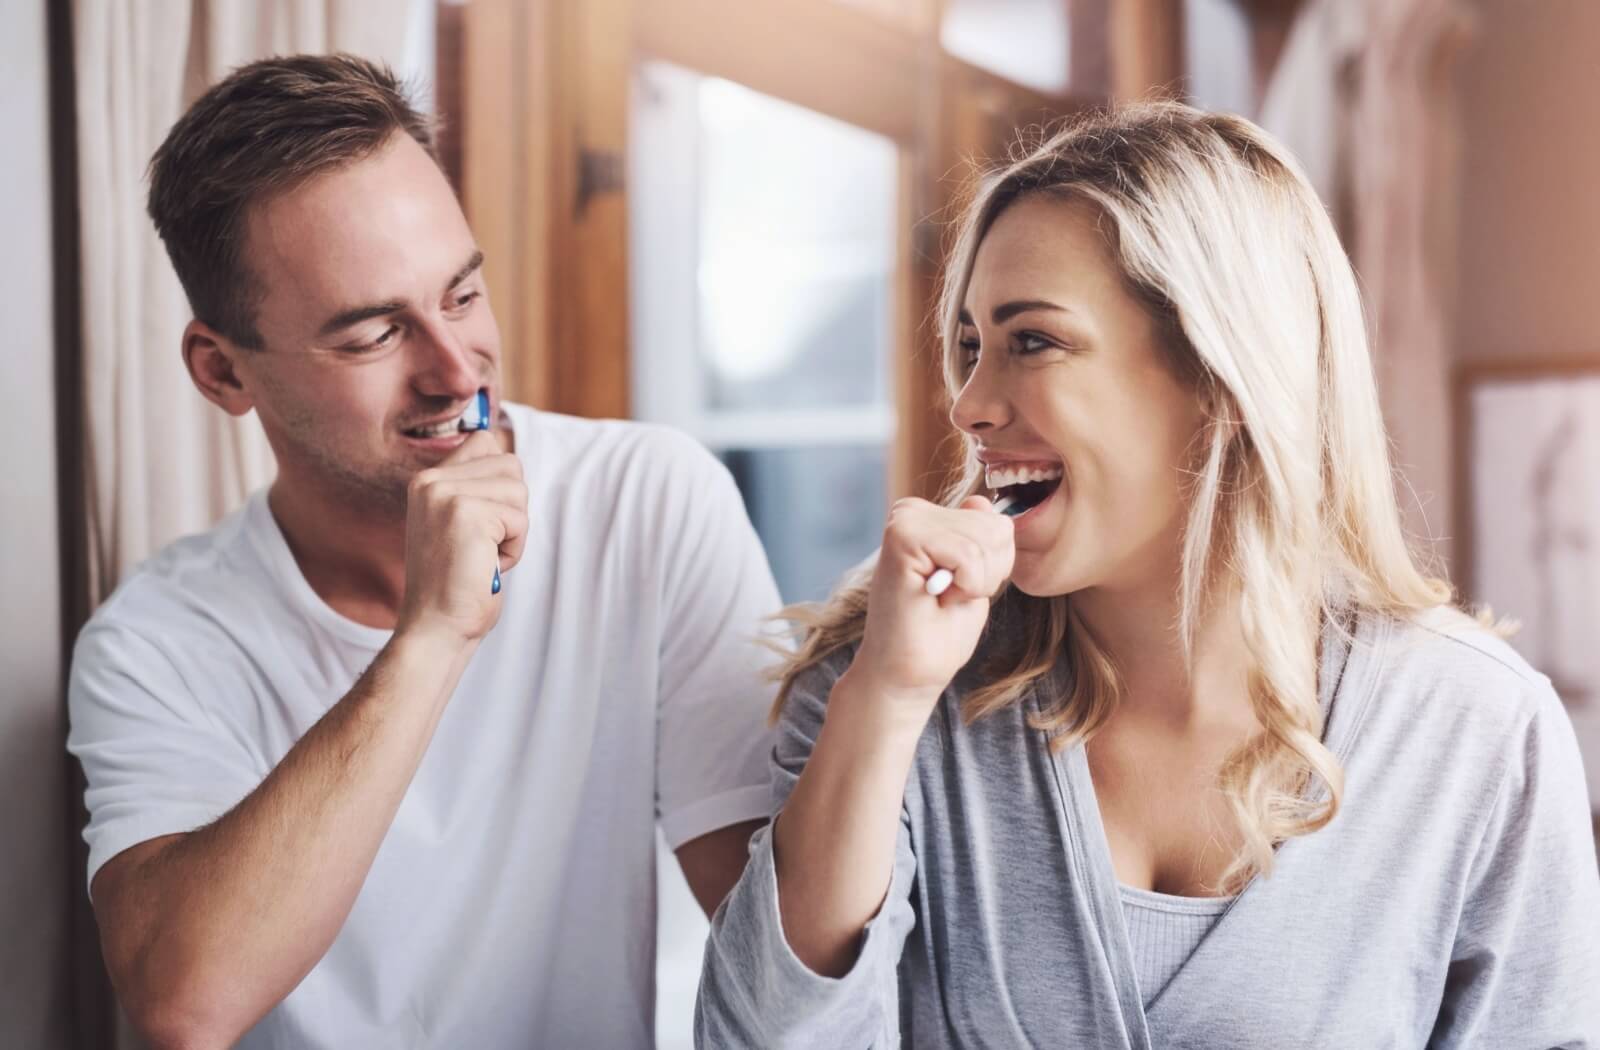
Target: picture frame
(1528, 521)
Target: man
(342, 793)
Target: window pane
(763, 253)
(797, 240)
(1022, 40)
(819, 510)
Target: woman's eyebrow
(1006, 311)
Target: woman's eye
(968, 352)
(1031, 343)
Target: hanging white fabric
(160, 460)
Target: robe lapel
(1095, 879)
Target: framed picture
(1530, 479)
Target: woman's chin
(1037, 577)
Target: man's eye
(466, 299)
(384, 341)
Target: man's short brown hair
(264, 129)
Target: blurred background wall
(35, 885)
(728, 215)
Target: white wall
(33, 876)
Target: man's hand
(463, 517)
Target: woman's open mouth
(1025, 486)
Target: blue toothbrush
(476, 417)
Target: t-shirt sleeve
(754, 990)
(154, 762)
(712, 737)
(1526, 961)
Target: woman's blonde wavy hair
(1291, 493)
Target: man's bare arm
(207, 931)
(713, 862)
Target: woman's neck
(1140, 630)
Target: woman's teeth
(444, 429)
(1004, 477)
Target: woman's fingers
(967, 550)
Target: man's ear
(211, 359)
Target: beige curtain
(160, 461)
(1362, 94)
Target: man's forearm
(232, 916)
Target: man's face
(375, 325)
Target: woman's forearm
(834, 842)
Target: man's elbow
(169, 1024)
(178, 1009)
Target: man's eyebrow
(356, 314)
(467, 270)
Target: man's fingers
(479, 443)
(509, 491)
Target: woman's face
(1066, 378)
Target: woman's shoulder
(1443, 681)
(1445, 653)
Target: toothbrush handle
(483, 424)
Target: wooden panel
(1088, 46)
(448, 105)
(588, 217)
(918, 17)
(822, 56)
(500, 172)
(1145, 38)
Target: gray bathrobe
(1453, 902)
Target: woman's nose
(980, 406)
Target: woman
(1216, 765)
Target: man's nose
(448, 366)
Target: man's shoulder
(562, 438)
(175, 597)
(615, 461)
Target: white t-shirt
(512, 903)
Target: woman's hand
(915, 642)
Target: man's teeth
(449, 426)
(1004, 477)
